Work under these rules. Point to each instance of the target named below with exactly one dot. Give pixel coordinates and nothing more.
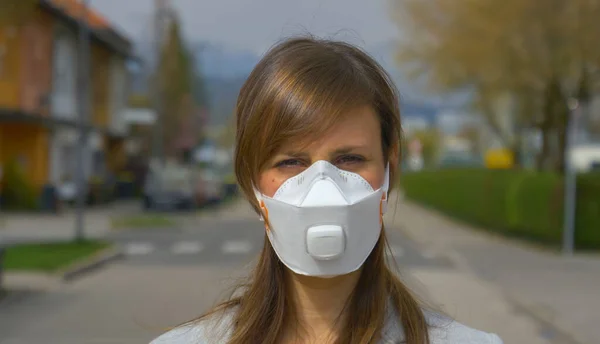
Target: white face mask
(325, 221)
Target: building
(412, 124)
(140, 121)
(39, 93)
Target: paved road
(168, 276)
(230, 242)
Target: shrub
(18, 193)
(515, 203)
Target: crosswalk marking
(187, 248)
(139, 248)
(397, 251)
(236, 247)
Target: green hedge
(515, 203)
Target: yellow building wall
(32, 149)
(10, 66)
(101, 58)
(36, 62)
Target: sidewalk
(237, 209)
(16, 228)
(563, 292)
(52, 227)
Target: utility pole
(83, 107)
(578, 110)
(570, 179)
(158, 88)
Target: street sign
(499, 159)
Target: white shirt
(442, 331)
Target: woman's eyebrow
(338, 151)
(347, 149)
(296, 154)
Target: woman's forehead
(358, 128)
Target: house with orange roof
(39, 80)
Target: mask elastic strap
(385, 188)
(258, 196)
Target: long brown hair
(299, 90)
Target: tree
(227, 137)
(430, 140)
(200, 91)
(139, 101)
(176, 78)
(531, 51)
(471, 134)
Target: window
(61, 62)
(68, 162)
(99, 163)
(9, 43)
(65, 65)
(2, 59)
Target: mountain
(222, 73)
(224, 70)
(222, 93)
(216, 61)
(212, 61)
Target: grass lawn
(49, 257)
(143, 221)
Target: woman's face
(354, 145)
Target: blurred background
(119, 210)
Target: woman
(318, 143)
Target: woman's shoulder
(214, 329)
(443, 330)
(190, 333)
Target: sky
(255, 25)
(250, 27)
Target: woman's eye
(289, 163)
(349, 159)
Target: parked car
(169, 187)
(100, 190)
(211, 186)
(231, 187)
(586, 158)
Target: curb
(150, 228)
(36, 282)
(8, 297)
(95, 262)
(68, 274)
